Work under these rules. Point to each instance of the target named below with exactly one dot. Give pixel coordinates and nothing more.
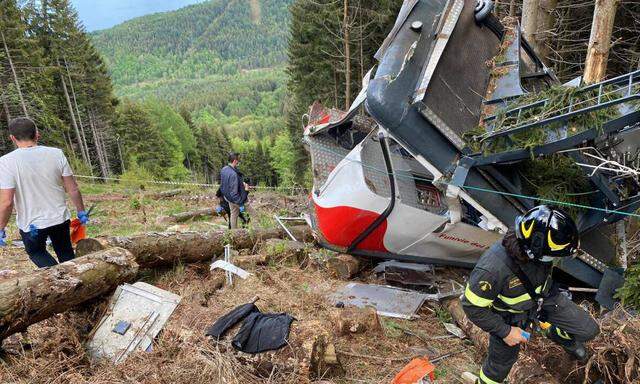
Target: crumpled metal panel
(145, 307)
(388, 301)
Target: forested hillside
(221, 65)
(213, 38)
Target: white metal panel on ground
(144, 308)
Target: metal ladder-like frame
(627, 88)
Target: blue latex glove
(83, 216)
(242, 209)
(33, 231)
(3, 238)
(219, 209)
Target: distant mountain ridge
(218, 37)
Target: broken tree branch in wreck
(31, 298)
(157, 249)
(525, 371)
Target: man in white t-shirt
(34, 179)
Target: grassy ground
(52, 351)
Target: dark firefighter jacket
(494, 294)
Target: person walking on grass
(234, 189)
(33, 179)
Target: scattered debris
(281, 221)
(416, 372)
(388, 301)
(455, 330)
(226, 266)
(135, 316)
(406, 273)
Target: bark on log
(250, 261)
(525, 371)
(156, 249)
(34, 297)
(344, 266)
(600, 42)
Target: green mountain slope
(212, 38)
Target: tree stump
(344, 266)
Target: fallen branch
(156, 249)
(31, 298)
(186, 216)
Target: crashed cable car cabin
(417, 180)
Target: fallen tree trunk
(34, 297)
(186, 216)
(164, 194)
(525, 371)
(156, 249)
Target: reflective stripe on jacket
(493, 291)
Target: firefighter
(511, 289)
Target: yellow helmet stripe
(554, 246)
(527, 231)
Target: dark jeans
(36, 246)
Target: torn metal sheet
(406, 273)
(226, 266)
(136, 314)
(388, 301)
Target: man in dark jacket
(511, 289)
(233, 188)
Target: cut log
(156, 249)
(36, 296)
(186, 216)
(344, 266)
(525, 371)
(355, 320)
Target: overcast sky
(101, 14)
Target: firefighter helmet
(545, 231)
